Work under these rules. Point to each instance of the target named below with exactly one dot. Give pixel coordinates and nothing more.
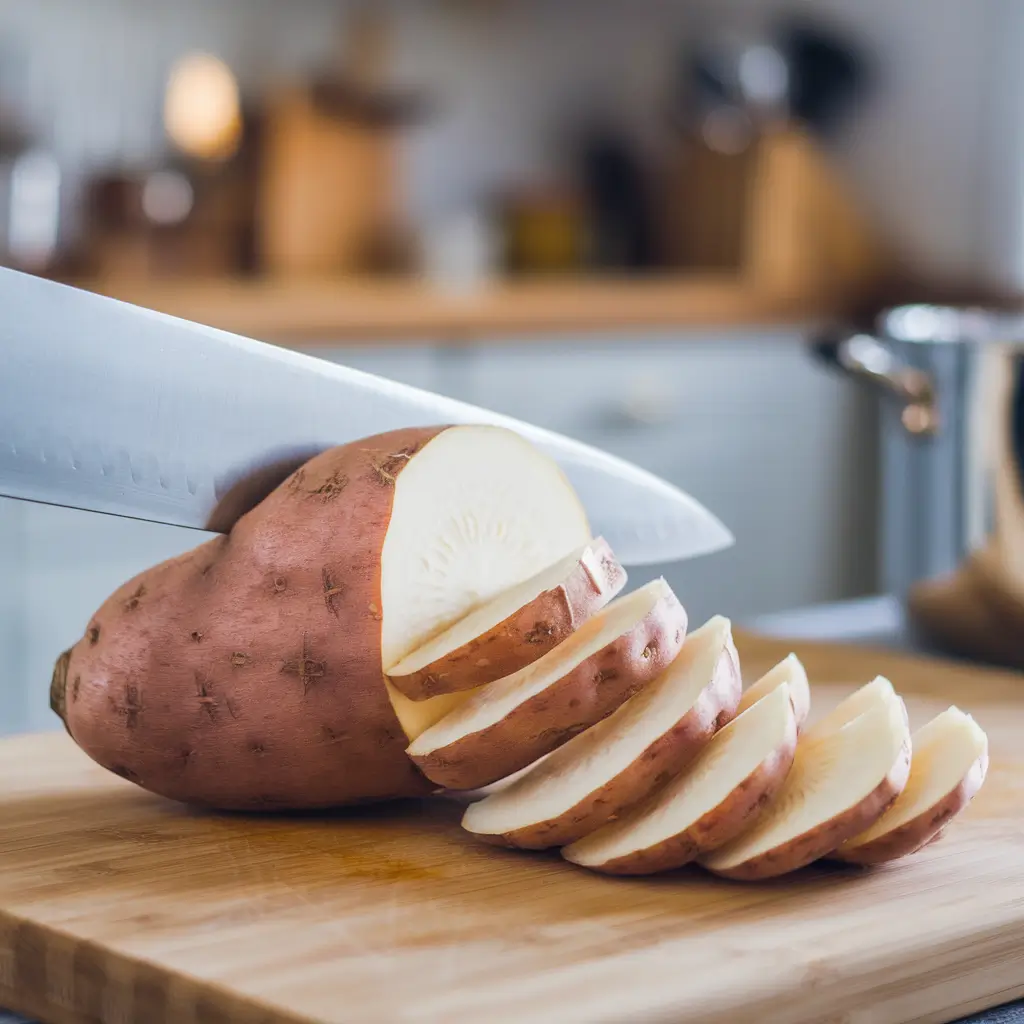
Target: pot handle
(865, 357)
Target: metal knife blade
(113, 408)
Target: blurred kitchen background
(642, 223)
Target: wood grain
(116, 905)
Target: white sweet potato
(515, 628)
(790, 671)
(715, 799)
(879, 690)
(248, 673)
(840, 784)
(636, 749)
(947, 770)
(509, 724)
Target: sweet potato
(506, 634)
(718, 797)
(509, 724)
(947, 770)
(248, 673)
(617, 762)
(839, 785)
(790, 671)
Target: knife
(113, 408)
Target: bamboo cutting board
(119, 906)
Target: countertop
(874, 620)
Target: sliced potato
(948, 768)
(515, 628)
(719, 796)
(637, 748)
(510, 723)
(791, 671)
(840, 784)
(879, 690)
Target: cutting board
(119, 906)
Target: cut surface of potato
(476, 511)
(710, 803)
(879, 690)
(948, 768)
(515, 628)
(790, 671)
(510, 723)
(840, 784)
(615, 763)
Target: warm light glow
(202, 111)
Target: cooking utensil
(116, 905)
(113, 408)
(950, 382)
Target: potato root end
(59, 688)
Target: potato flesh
(591, 760)
(830, 775)
(491, 613)
(477, 511)
(945, 749)
(489, 704)
(790, 671)
(732, 755)
(879, 690)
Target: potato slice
(948, 768)
(637, 748)
(719, 796)
(879, 690)
(515, 628)
(510, 723)
(840, 784)
(790, 670)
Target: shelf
(807, 254)
(323, 312)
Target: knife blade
(114, 408)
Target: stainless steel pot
(950, 384)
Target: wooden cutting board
(119, 906)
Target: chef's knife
(113, 408)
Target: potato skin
(920, 831)
(733, 816)
(581, 698)
(820, 841)
(246, 674)
(666, 756)
(523, 636)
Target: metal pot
(950, 382)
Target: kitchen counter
(874, 620)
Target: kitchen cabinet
(778, 448)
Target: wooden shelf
(313, 312)
(805, 254)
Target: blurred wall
(89, 76)
(936, 153)
(936, 150)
